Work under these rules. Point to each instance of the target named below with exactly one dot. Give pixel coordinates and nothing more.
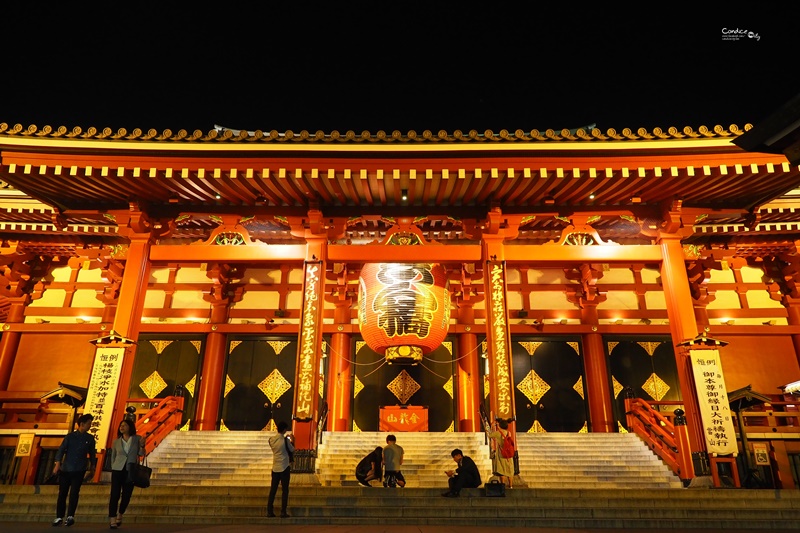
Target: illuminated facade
(572, 265)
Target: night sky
(394, 66)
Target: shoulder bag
(139, 474)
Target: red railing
(159, 421)
(669, 441)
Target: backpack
(507, 449)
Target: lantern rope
(353, 362)
(368, 375)
(452, 360)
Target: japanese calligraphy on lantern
(500, 371)
(712, 396)
(309, 345)
(102, 391)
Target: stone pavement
(27, 527)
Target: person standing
(369, 467)
(466, 475)
(126, 449)
(73, 457)
(282, 455)
(392, 459)
(503, 467)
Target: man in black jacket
(76, 453)
(466, 475)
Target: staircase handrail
(323, 419)
(659, 434)
(160, 421)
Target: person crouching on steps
(466, 475)
(369, 467)
(392, 459)
(126, 449)
(282, 455)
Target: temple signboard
(712, 397)
(102, 390)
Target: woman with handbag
(125, 450)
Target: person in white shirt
(126, 449)
(282, 456)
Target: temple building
(406, 282)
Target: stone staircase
(591, 460)
(207, 506)
(222, 478)
(426, 456)
(547, 460)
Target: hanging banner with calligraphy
(403, 418)
(102, 391)
(310, 344)
(712, 396)
(499, 343)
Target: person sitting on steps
(466, 475)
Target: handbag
(139, 474)
(495, 489)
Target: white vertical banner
(712, 396)
(103, 390)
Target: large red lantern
(403, 309)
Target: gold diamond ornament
(655, 387)
(274, 385)
(533, 387)
(537, 428)
(403, 387)
(160, 345)
(530, 347)
(229, 385)
(357, 387)
(153, 385)
(278, 346)
(578, 387)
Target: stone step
(566, 508)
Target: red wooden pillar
(680, 310)
(339, 390)
(128, 317)
(9, 343)
(469, 383)
(598, 390)
(209, 392)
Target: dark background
(393, 65)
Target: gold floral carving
(229, 385)
(356, 429)
(187, 426)
(649, 347)
(620, 428)
(270, 426)
(537, 428)
(222, 426)
(321, 386)
(278, 346)
(484, 347)
(655, 387)
(191, 384)
(403, 387)
(197, 345)
(359, 345)
(274, 386)
(448, 386)
(448, 346)
(533, 387)
(451, 428)
(233, 346)
(584, 429)
(153, 385)
(578, 387)
(617, 386)
(530, 347)
(486, 386)
(160, 345)
(357, 386)
(611, 346)
(575, 346)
